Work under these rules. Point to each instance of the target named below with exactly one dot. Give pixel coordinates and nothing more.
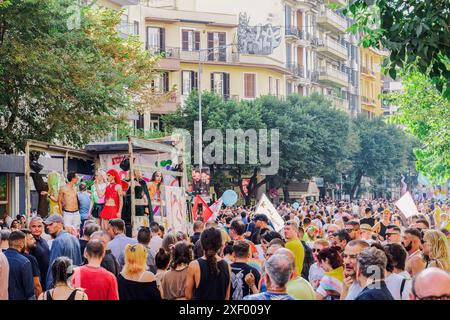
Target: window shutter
(197, 40)
(166, 82)
(253, 85)
(210, 46)
(226, 85)
(212, 82)
(182, 83)
(194, 80)
(185, 40)
(162, 39)
(222, 44)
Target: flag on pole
(215, 208)
(406, 205)
(207, 212)
(266, 207)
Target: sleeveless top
(212, 287)
(71, 296)
(111, 193)
(136, 290)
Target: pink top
(4, 277)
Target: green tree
(382, 152)
(221, 115)
(425, 114)
(412, 31)
(65, 82)
(315, 137)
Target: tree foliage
(412, 31)
(425, 114)
(67, 83)
(383, 151)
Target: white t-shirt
(155, 244)
(394, 283)
(315, 273)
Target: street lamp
(200, 127)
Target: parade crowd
(327, 250)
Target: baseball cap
(53, 218)
(260, 217)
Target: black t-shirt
(239, 288)
(370, 221)
(34, 265)
(83, 244)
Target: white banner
(407, 206)
(175, 209)
(215, 208)
(266, 207)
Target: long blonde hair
(438, 247)
(135, 259)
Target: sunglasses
(315, 250)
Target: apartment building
(244, 49)
(371, 81)
(390, 86)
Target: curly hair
(181, 254)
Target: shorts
(96, 209)
(72, 219)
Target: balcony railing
(333, 73)
(339, 102)
(165, 52)
(292, 31)
(367, 71)
(368, 100)
(332, 44)
(213, 55)
(296, 69)
(329, 16)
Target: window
(220, 83)
(270, 85)
(139, 124)
(217, 46)
(161, 84)
(288, 88)
(136, 28)
(189, 81)
(190, 40)
(288, 54)
(249, 85)
(277, 87)
(154, 123)
(156, 39)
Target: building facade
(244, 49)
(371, 81)
(390, 86)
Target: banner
(175, 208)
(207, 212)
(407, 206)
(215, 208)
(266, 207)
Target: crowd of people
(326, 250)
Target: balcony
(292, 33)
(367, 72)
(126, 2)
(210, 56)
(368, 101)
(331, 20)
(170, 57)
(297, 70)
(168, 106)
(331, 48)
(332, 77)
(339, 102)
(340, 2)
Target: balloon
(295, 205)
(229, 198)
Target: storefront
(12, 198)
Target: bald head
(422, 288)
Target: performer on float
(154, 189)
(98, 195)
(113, 199)
(54, 184)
